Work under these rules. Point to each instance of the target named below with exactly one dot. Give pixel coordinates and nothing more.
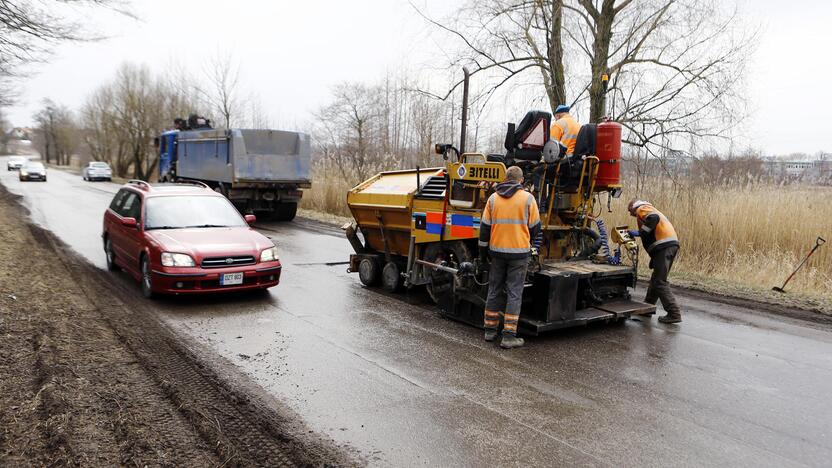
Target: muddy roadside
(89, 377)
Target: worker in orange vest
(565, 129)
(508, 226)
(661, 242)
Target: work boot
(670, 318)
(511, 341)
(490, 335)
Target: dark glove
(634, 233)
(651, 263)
(484, 254)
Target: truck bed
(245, 157)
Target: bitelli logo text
(483, 172)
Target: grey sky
(292, 52)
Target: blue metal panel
(204, 155)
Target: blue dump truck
(260, 171)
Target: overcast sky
(292, 52)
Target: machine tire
(440, 284)
(368, 272)
(286, 211)
(110, 255)
(391, 277)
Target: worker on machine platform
(565, 129)
(660, 241)
(510, 221)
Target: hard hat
(634, 204)
(562, 108)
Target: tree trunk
(599, 64)
(554, 53)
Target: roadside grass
(750, 236)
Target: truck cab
(167, 155)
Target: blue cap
(562, 108)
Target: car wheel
(110, 255)
(147, 280)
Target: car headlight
(24, 173)
(170, 259)
(269, 255)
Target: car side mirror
(129, 222)
(250, 218)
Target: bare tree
(504, 39)
(56, 133)
(104, 138)
(30, 29)
(122, 118)
(348, 125)
(221, 92)
(674, 65)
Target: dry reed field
(753, 236)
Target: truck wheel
(440, 284)
(286, 211)
(368, 272)
(391, 277)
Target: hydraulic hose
(605, 247)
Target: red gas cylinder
(608, 150)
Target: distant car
(15, 163)
(32, 170)
(184, 238)
(97, 170)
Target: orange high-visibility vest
(510, 221)
(663, 234)
(565, 130)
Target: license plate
(230, 279)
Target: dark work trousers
(505, 293)
(659, 289)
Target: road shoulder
(87, 378)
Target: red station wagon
(185, 238)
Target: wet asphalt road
(387, 376)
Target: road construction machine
(420, 227)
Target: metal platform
(617, 311)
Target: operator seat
(569, 176)
(525, 141)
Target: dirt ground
(87, 380)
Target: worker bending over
(508, 224)
(565, 129)
(660, 241)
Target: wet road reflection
(391, 378)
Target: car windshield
(191, 211)
(18, 159)
(36, 166)
(99, 165)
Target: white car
(15, 163)
(32, 170)
(97, 170)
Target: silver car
(32, 170)
(15, 163)
(97, 170)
